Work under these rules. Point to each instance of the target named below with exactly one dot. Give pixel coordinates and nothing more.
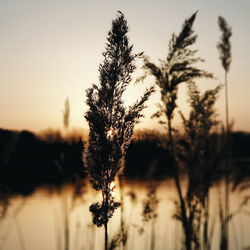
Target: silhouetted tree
(177, 68)
(111, 124)
(224, 48)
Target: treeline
(28, 160)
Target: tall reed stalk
(111, 124)
(177, 68)
(224, 48)
(198, 155)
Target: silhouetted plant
(224, 48)
(123, 227)
(66, 113)
(177, 68)
(119, 239)
(149, 212)
(111, 124)
(199, 159)
(130, 225)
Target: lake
(43, 220)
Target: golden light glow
(49, 52)
(110, 133)
(113, 191)
(112, 187)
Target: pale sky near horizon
(50, 50)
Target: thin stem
(105, 195)
(206, 243)
(123, 242)
(227, 166)
(66, 222)
(152, 243)
(106, 236)
(178, 186)
(226, 102)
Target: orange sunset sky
(50, 50)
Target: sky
(51, 50)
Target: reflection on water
(54, 221)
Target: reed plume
(111, 124)
(178, 67)
(224, 48)
(198, 155)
